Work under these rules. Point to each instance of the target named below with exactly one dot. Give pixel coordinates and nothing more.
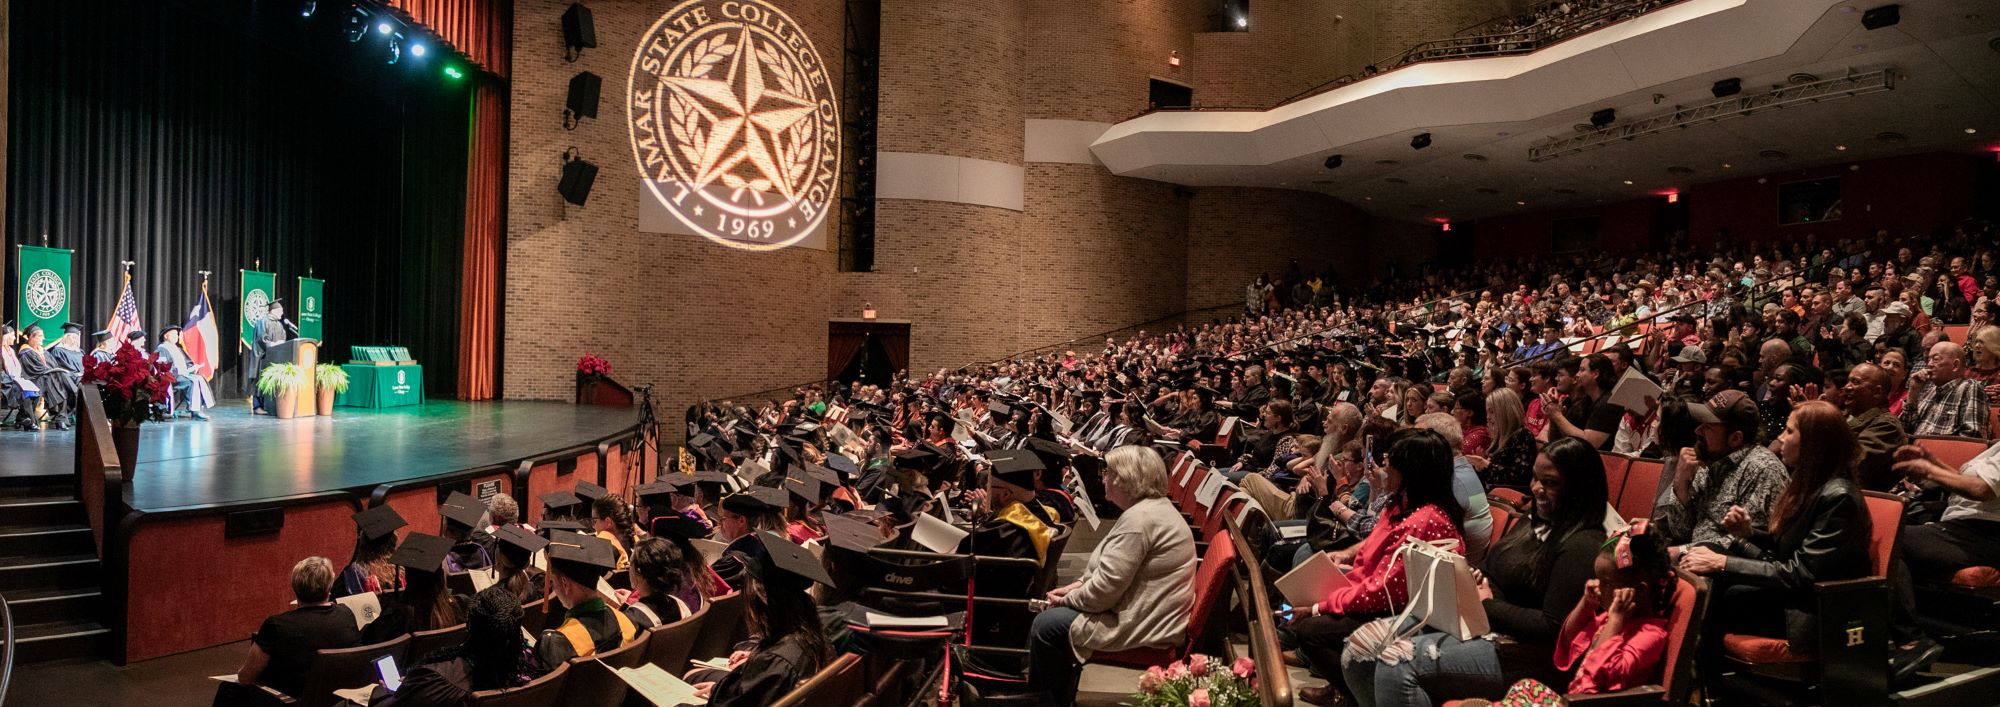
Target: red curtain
(485, 203)
(480, 29)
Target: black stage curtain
(192, 137)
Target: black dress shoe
(1906, 661)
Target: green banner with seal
(254, 297)
(312, 301)
(45, 286)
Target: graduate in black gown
(58, 391)
(67, 354)
(790, 644)
(738, 518)
(493, 657)
(590, 626)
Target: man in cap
(106, 348)
(67, 353)
(1897, 333)
(1009, 528)
(461, 521)
(1725, 468)
(183, 395)
(270, 334)
(590, 626)
(738, 518)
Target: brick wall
(1291, 45)
(1092, 60)
(1235, 233)
(952, 77)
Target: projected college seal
(734, 123)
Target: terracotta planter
(326, 396)
(288, 405)
(125, 437)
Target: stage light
(1603, 117)
(395, 50)
(1726, 88)
(306, 8)
(384, 27)
(1884, 16)
(1242, 21)
(1332, 161)
(417, 49)
(453, 72)
(1421, 141)
(357, 24)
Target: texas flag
(198, 336)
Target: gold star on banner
(741, 103)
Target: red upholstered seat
(1615, 467)
(1211, 585)
(1642, 482)
(1953, 452)
(1512, 496)
(1976, 577)
(1761, 650)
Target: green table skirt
(382, 386)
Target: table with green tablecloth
(382, 386)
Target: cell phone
(385, 667)
(1038, 605)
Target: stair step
(46, 541)
(38, 606)
(11, 491)
(60, 639)
(59, 572)
(40, 511)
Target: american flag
(126, 317)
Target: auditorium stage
(236, 457)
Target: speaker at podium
(305, 353)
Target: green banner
(258, 289)
(312, 301)
(45, 287)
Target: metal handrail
(6, 648)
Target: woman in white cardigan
(1136, 591)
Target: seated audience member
(1510, 458)
(1983, 348)
(1477, 523)
(1585, 409)
(590, 626)
(1878, 432)
(375, 541)
(461, 516)
(514, 563)
(1897, 364)
(1135, 591)
(493, 657)
(425, 603)
(1817, 531)
(283, 646)
(1943, 401)
(656, 579)
(1966, 535)
(1419, 477)
(1532, 579)
(1008, 528)
(699, 582)
(611, 520)
(739, 517)
(1469, 408)
(790, 644)
(1724, 468)
(501, 512)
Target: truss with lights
(1820, 91)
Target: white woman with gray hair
(1136, 590)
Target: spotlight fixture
(1602, 118)
(417, 49)
(1884, 16)
(307, 8)
(1727, 87)
(453, 72)
(395, 47)
(1242, 21)
(384, 27)
(1332, 161)
(357, 24)
(1421, 141)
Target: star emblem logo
(733, 122)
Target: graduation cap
(806, 490)
(378, 522)
(558, 502)
(675, 525)
(842, 464)
(757, 499)
(1054, 455)
(551, 527)
(999, 409)
(460, 509)
(785, 564)
(917, 458)
(421, 552)
(590, 492)
(134, 335)
(518, 538)
(717, 483)
(582, 558)
(827, 478)
(72, 327)
(1016, 466)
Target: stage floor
(236, 457)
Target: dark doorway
(872, 352)
(1167, 94)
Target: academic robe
(57, 390)
(269, 334)
(766, 676)
(70, 361)
(1014, 532)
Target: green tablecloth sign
(382, 386)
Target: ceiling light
(1242, 21)
(1520, 203)
(1628, 182)
(1970, 131)
(1727, 165)
(1842, 148)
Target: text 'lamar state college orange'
(734, 124)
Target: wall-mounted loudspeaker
(582, 102)
(579, 31)
(577, 176)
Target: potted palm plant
(332, 381)
(282, 382)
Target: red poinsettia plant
(132, 383)
(593, 366)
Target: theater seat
(667, 646)
(540, 692)
(1953, 452)
(841, 682)
(1513, 497)
(1642, 482)
(1759, 649)
(594, 684)
(1976, 577)
(1211, 584)
(725, 621)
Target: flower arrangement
(330, 377)
(591, 366)
(1201, 681)
(132, 383)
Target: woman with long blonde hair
(1510, 457)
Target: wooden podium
(305, 353)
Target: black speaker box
(583, 94)
(1884, 16)
(577, 177)
(578, 29)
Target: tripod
(649, 437)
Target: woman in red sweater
(1421, 506)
